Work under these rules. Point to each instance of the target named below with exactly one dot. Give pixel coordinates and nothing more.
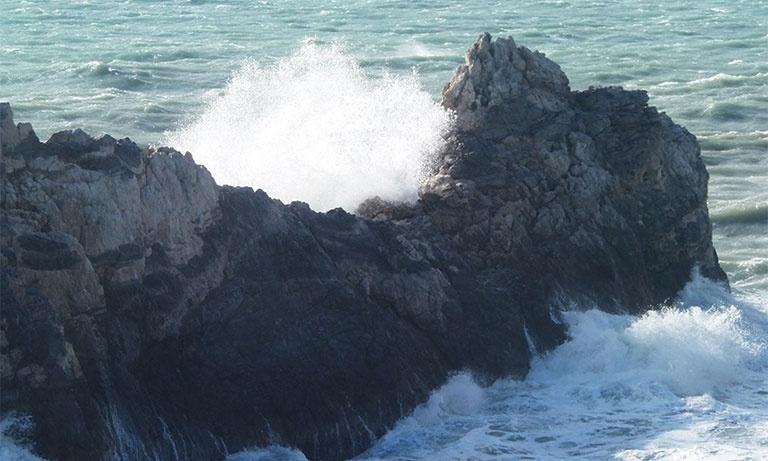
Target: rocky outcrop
(593, 188)
(148, 313)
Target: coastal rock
(593, 188)
(148, 313)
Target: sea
(330, 102)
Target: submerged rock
(148, 313)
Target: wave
(416, 49)
(684, 382)
(314, 127)
(114, 74)
(755, 214)
(733, 140)
(96, 68)
(726, 111)
(723, 80)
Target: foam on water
(684, 382)
(314, 127)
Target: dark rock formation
(148, 313)
(593, 188)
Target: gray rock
(150, 314)
(595, 188)
(9, 134)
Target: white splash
(314, 127)
(691, 351)
(681, 383)
(686, 382)
(461, 396)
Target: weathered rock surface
(148, 313)
(593, 188)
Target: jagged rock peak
(498, 73)
(11, 134)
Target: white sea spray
(314, 127)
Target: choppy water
(292, 96)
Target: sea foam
(684, 382)
(315, 127)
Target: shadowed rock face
(593, 188)
(149, 313)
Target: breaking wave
(314, 127)
(684, 382)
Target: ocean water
(294, 96)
